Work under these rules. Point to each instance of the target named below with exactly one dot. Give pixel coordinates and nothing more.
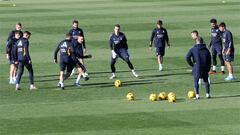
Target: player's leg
(82, 70)
(214, 58)
(207, 86)
(113, 68)
(19, 75)
(160, 51)
(125, 56)
(62, 66)
(11, 69)
(228, 62)
(31, 76)
(196, 86)
(220, 56)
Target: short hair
(75, 21)
(213, 20)
(117, 25)
(159, 22)
(27, 32)
(222, 24)
(18, 23)
(16, 32)
(200, 40)
(195, 31)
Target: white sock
(78, 79)
(113, 74)
(222, 68)
(197, 95)
(230, 75)
(17, 85)
(160, 65)
(207, 95)
(10, 78)
(214, 68)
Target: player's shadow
(212, 83)
(226, 96)
(161, 75)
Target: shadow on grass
(226, 96)
(225, 82)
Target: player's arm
(26, 52)
(189, 58)
(84, 45)
(125, 42)
(151, 38)
(111, 45)
(56, 52)
(209, 61)
(230, 44)
(167, 38)
(8, 48)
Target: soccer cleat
(208, 96)
(160, 68)
(113, 76)
(222, 73)
(33, 88)
(135, 74)
(17, 88)
(86, 78)
(77, 84)
(59, 84)
(229, 78)
(197, 97)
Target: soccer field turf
(98, 108)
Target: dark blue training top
(200, 59)
(78, 49)
(160, 37)
(22, 50)
(65, 47)
(117, 42)
(228, 41)
(12, 35)
(77, 32)
(11, 49)
(215, 37)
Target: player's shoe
(77, 84)
(33, 87)
(212, 72)
(222, 73)
(86, 78)
(135, 74)
(208, 96)
(59, 84)
(229, 78)
(17, 88)
(113, 76)
(160, 68)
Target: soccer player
(67, 59)
(75, 32)
(24, 59)
(228, 50)
(160, 38)
(18, 27)
(216, 44)
(11, 52)
(194, 35)
(119, 48)
(78, 51)
(199, 58)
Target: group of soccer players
(17, 53)
(73, 50)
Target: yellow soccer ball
(153, 97)
(162, 96)
(191, 94)
(130, 96)
(118, 83)
(172, 97)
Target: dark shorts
(123, 54)
(160, 51)
(66, 63)
(229, 58)
(216, 50)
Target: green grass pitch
(98, 108)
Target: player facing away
(195, 35)
(24, 59)
(75, 32)
(119, 48)
(216, 44)
(160, 38)
(199, 58)
(65, 48)
(11, 52)
(228, 50)
(78, 51)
